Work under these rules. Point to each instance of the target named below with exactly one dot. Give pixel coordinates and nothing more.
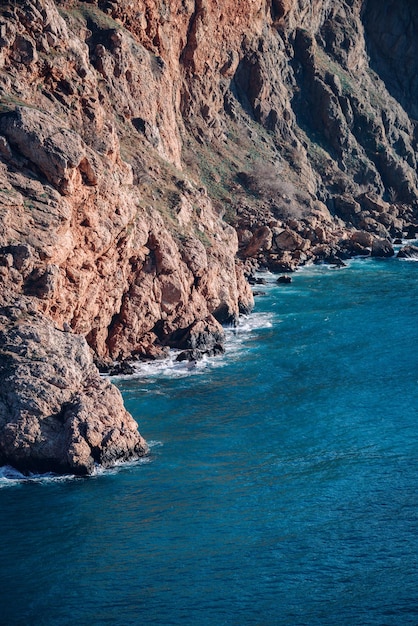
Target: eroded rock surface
(154, 154)
(56, 412)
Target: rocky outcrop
(382, 248)
(408, 252)
(56, 413)
(154, 154)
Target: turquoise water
(282, 485)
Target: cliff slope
(153, 153)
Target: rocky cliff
(152, 155)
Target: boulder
(411, 231)
(190, 356)
(288, 240)
(362, 238)
(347, 208)
(382, 248)
(260, 241)
(284, 280)
(202, 335)
(408, 252)
(256, 280)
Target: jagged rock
(382, 248)
(190, 355)
(347, 208)
(336, 262)
(203, 335)
(362, 238)
(288, 240)
(350, 248)
(411, 231)
(56, 413)
(257, 280)
(260, 241)
(59, 153)
(284, 280)
(123, 368)
(408, 252)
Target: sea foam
(11, 477)
(150, 371)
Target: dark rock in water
(197, 355)
(397, 241)
(190, 355)
(359, 244)
(223, 315)
(356, 249)
(331, 259)
(284, 280)
(123, 368)
(56, 413)
(411, 231)
(408, 252)
(259, 293)
(217, 350)
(244, 309)
(382, 248)
(114, 369)
(337, 262)
(202, 335)
(281, 265)
(255, 280)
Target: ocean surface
(281, 488)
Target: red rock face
(146, 145)
(104, 260)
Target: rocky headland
(153, 155)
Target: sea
(281, 486)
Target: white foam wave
(249, 323)
(119, 467)
(154, 444)
(151, 371)
(167, 368)
(11, 477)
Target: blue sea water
(281, 488)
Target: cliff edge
(152, 156)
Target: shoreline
(170, 366)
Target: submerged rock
(56, 413)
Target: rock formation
(56, 413)
(153, 154)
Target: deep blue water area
(281, 488)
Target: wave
(249, 323)
(150, 371)
(11, 477)
(119, 467)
